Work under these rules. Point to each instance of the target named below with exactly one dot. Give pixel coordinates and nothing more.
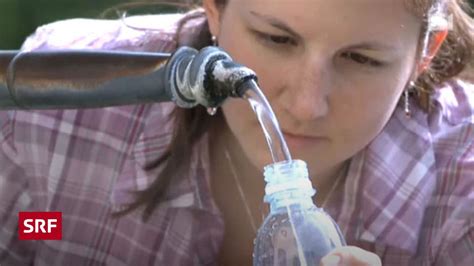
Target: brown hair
(191, 124)
(455, 54)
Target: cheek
(366, 107)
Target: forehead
(344, 17)
(320, 10)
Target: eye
(361, 59)
(279, 39)
(275, 39)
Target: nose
(306, 94)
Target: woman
(396, 177)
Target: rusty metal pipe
(80, 79)
(90, 79)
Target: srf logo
(40, 225)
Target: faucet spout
(207, 77)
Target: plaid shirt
(408, 196)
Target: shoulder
(454, 103)
(35, 135)
(450, 213)
(452, 130)
(138, 33)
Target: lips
(298, 141)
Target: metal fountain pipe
(75, 79)
(90, 79)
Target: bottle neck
(293, 199)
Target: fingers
(350, 256)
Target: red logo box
(40, 225)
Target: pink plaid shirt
(408, 196)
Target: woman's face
(333, 71)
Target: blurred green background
(19, 18)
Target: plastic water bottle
(296, 232)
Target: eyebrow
(276, 23)
(373, 46)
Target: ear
(433, 43)
(213, 14)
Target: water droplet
(212, 110)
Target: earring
(406, 97)
(214, 40)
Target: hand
(350, 256)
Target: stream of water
(269, 123)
